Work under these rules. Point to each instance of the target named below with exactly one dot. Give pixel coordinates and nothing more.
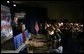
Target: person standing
(15, 26)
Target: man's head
(15, 18)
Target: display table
(14, 51)
(14, 44)
(5, 39)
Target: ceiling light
(8, 1)
(14, 5)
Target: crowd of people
(63, 37)
(67, 37)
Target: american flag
(36, 27)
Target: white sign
(5, 8)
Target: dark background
(72, 10)
(43, 11)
